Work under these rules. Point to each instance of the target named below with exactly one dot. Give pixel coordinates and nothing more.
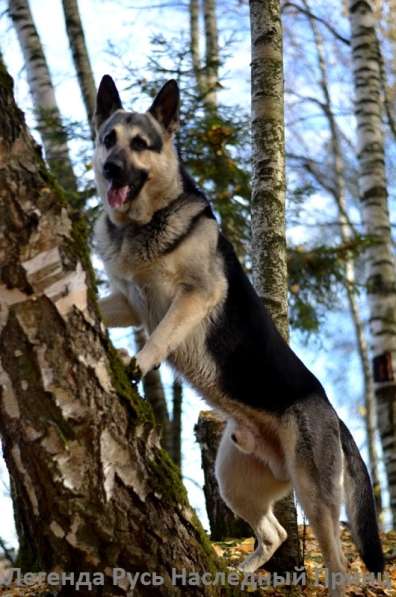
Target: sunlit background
(119, 35)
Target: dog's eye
(110, 139)
(138, 144)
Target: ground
(233, 551)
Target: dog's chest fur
(149, 263)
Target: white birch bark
(199, 73)
(268, 203)
(49, 121)
(347, 234)
(380, 261)
(268, 161)
(93, 490)
(211, 53)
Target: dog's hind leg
(315, 467)
(249, 489)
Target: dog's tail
(360, 505)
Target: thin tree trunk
(268, 204)
(380, 262)
(82, 64)
(92, 488)
(49, 121)
(195, 47)
(176, 424)
(346, 235)
(211, 53)
(223, 522)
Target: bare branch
(311, 15)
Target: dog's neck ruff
(168, 227)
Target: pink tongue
(117, 197)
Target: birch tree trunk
(211, 52)
(195, 46)
(347, 234)
(49, 121)
(82, 64)
(268, 204)
(92, 488)
(380, 262)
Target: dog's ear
(107, 100)
(165, 107)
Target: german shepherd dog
(172, 271)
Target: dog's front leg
(187, 310)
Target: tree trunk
(211, 52)
(92, 488)
(176, 424)
(195, 47)
(223, 522)
(268, 205)
(49, 121)
(82, 64)
(346, 234)
(380, 262)
(207, 83)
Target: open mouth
(118, 196)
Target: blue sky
(331, 355)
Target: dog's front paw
(133, 371)
(148, 358)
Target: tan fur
(176, 296)
(164, 182)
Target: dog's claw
(134, 372)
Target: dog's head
(135, 163)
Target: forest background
(137, 43)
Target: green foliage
(316, 279)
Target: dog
(172, 271)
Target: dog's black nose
(113, 169)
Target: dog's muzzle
(124, 185)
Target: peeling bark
(92, 488)
(49, 120)
(380, 261)
(268, 205)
